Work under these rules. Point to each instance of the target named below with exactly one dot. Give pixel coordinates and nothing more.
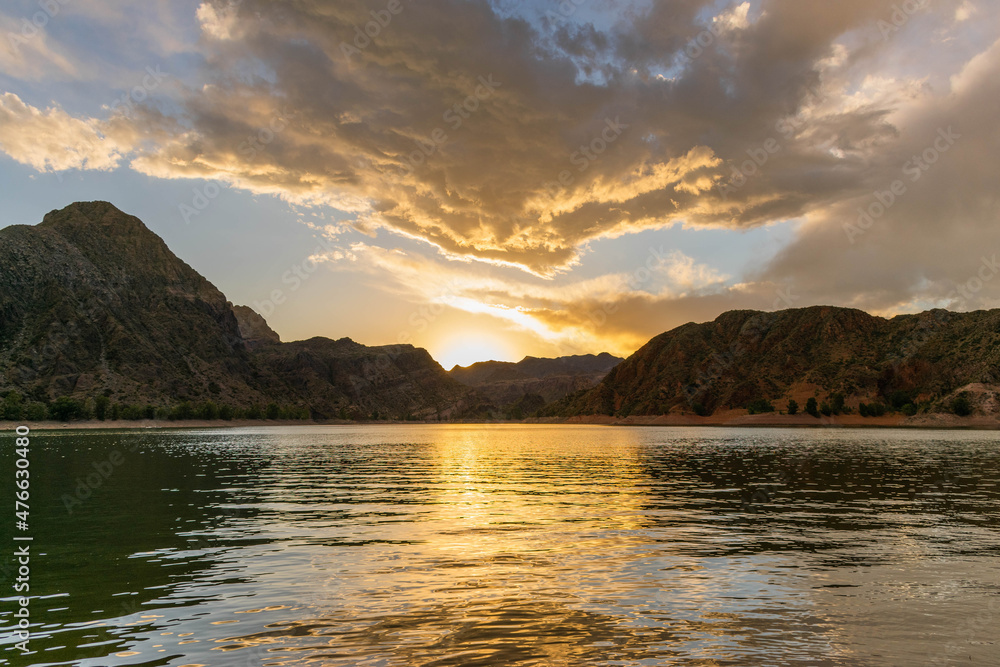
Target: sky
(490, 180)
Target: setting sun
(469, 347)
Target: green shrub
(36, 412)
(899, 398)
(207, 410)
(812, 408)
(101, 404)
(909, 409)
(65, 409)
(793, 406)
(182, 411)
(133, 412)
(759, 406)
(876, 409)
(12, 407)
(961, 405)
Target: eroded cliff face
(254, 329)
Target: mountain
(923, 360)
(529, 384)
(92, 303)
(485, 372)
(355, 381)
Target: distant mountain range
(528, 385)
(838, 356)
(94, 308)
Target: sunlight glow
(468, 347)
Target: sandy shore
(740, 418)
(156, 424)
(733, 418)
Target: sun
(468, 348)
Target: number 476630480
(21, 477)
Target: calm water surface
(510, 545)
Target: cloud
(219, 22)
(497, 144)
(571, 314)
(965, 11)
(930, 238)
(52, 140)
(27, 52)
(512, 142)
(736, 18)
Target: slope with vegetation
(832, 360)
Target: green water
(508, 545)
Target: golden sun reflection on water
(527, 545)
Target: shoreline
(740, 419)
(731, 419)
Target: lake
(467, 545)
